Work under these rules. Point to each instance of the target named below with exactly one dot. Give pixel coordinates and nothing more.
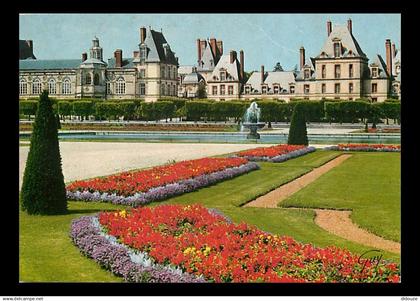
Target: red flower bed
(128, 183)
(271, 151)
(203, 243)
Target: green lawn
(367, 183)
(47, 254)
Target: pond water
(194, 137)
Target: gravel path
(339, 223)
(271, 199)
(82, 160)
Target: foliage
(297, 132)
(43, 189)
(127, 109)
(28, 107)
(64, 108)
(195, 110)
(83, 109)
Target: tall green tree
(43, 188)
(297, 133)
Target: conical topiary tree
(43, 188)
(297, 132)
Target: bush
(297, 132)
(83, 109)
(163, 109)
(127, 109)
(270, 111)
(108, 110)
(28, 107)
(64, 109)
(43, 189)
(197, 109)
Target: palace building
(339, 70)
(151, 73)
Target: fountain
(251, 121)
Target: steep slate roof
(207, 59)
(25, 51)
(156, 43)
(284, 78)
(348, 41)
(185, 70)
(193, 78)
(126, 63)
(232, 69)
(49, 64)
(382, 66)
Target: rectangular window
(230, 90)
(323, 88)
(108, 88)
(276, 89)
(142, 73)
(351, 70)
(222, 89)
(374, 72)
(142, 89)
(351, 88)
(222, 75)
(247, 90)
(337, 71)
(162, 72)
(374, 99)
(214, 90)
(337, 49)
(306, 89)
(306, 73)
(324, 71)
(374, 88)
(337, 88)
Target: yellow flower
(123, 213)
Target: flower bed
(159, 183)
(194, 244)
(278, 153)
(366, 147)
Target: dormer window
(264, 90)
(374, 72)
(276, 89)
(143, 53)
(337, 49)
(323, 71)
(222, 75)
(247, 89)
(306, 73)
(292, 89)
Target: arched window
(88, 79)
(162, 89)
(36, 86)
(23, 87)
(120, 86)
(96, 79)
(52, 88)
(66, 86)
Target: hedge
(28, 107)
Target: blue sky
(265, 38)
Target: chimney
(203, 44)
(213, 46)
(329, 27)
(394, 50)
(241, 57)
(142, 34)
(302, 57)
(136, 53)
(220, 47)
(84, 56)
(118, 58)
(199, 50)
(262, 74)
(232, 56)
(388, 56)
(350, 25)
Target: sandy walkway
(81, 160)
(271, 199)
(339, 223)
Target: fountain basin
(253, 127)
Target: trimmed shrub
(195, 110)
(43, 189)
(28, 107)
(163, 109)
(127, 109)
(108, 110)
(297, 132)
(83, 109)
(64, 109)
